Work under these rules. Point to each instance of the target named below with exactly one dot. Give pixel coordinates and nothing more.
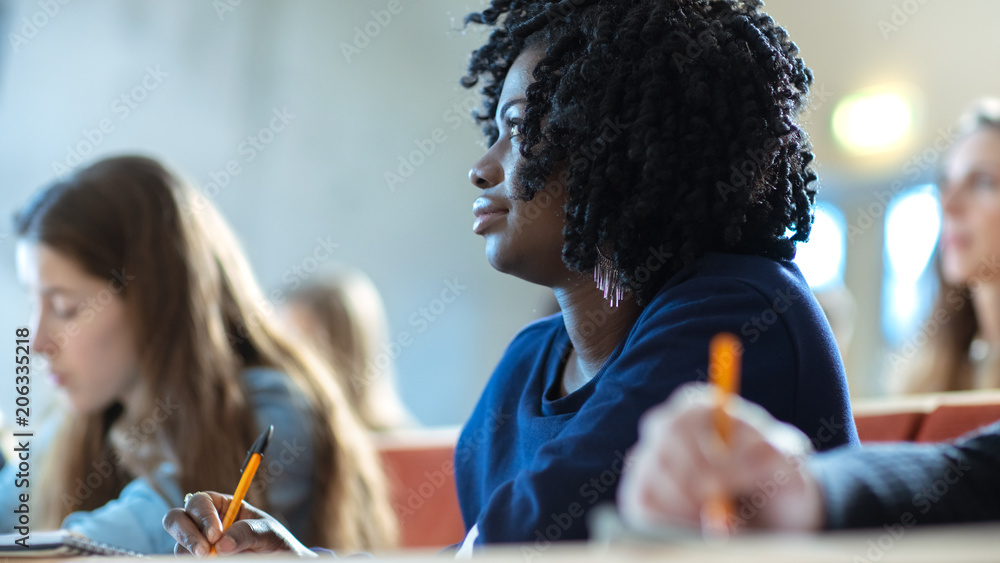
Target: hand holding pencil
(247, 473)
(200, 529)
(678, 470)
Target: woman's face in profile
(523, 238)
(79, 324)
(970, 198)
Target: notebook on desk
(58, 543)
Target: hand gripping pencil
(250, 465)
(725, 353)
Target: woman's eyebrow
(55, 290)
(506, 106)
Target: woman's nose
(41, 341)
(486, 172)
(951, 200)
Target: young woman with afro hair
(645, 162)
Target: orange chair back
(420, 467)
(932, 417)
(951, 421)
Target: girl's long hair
(199, 318)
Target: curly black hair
(673, 123)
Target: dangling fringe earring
(608, 280)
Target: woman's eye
(983, 182)
(64, 311)
(515, 128)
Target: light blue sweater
(134, 519)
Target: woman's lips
(487, 213)
(955, 242)
(485, 220)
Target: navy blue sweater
(530, 464)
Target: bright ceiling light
(872, 122)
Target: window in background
(821, 259)
(912, 227)
(822, 262)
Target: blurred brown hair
(343, 317)
(199, 318)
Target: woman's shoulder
(749, 268)
(734, 292)
(268, 381)
(277, 400)
(735, 273)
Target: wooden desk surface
(940, 544)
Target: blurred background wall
(335, 132)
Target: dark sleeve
(909, 484)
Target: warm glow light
(875, 122)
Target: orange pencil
(250, 465)
(725, 352)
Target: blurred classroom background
(335, 133)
